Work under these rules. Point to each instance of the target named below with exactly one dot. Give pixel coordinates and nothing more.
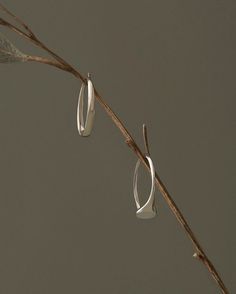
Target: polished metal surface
(148, 210)
(85, 128)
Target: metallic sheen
(86, 128)
(148, 210)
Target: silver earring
(148, 210)
(86, 128)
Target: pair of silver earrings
(148, 210)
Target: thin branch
(46, 61)
(14, 29)
(30, 36)
(17, 19)
(145, 139)
(63, 65)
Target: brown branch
(63, 65)
(145, 139)
(30, 36)
(14, 29)
(17, 19)
(46, 61)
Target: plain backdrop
(67, 213)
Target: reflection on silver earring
(86, 128)
(148, 210)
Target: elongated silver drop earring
(148, 210)
(86, 128)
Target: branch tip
(145, 140)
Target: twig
(17, 19)
(60, 63)
(145, 139)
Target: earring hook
(148, 210)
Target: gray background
(68, 220)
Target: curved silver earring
(86, 128)
(148, 210)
